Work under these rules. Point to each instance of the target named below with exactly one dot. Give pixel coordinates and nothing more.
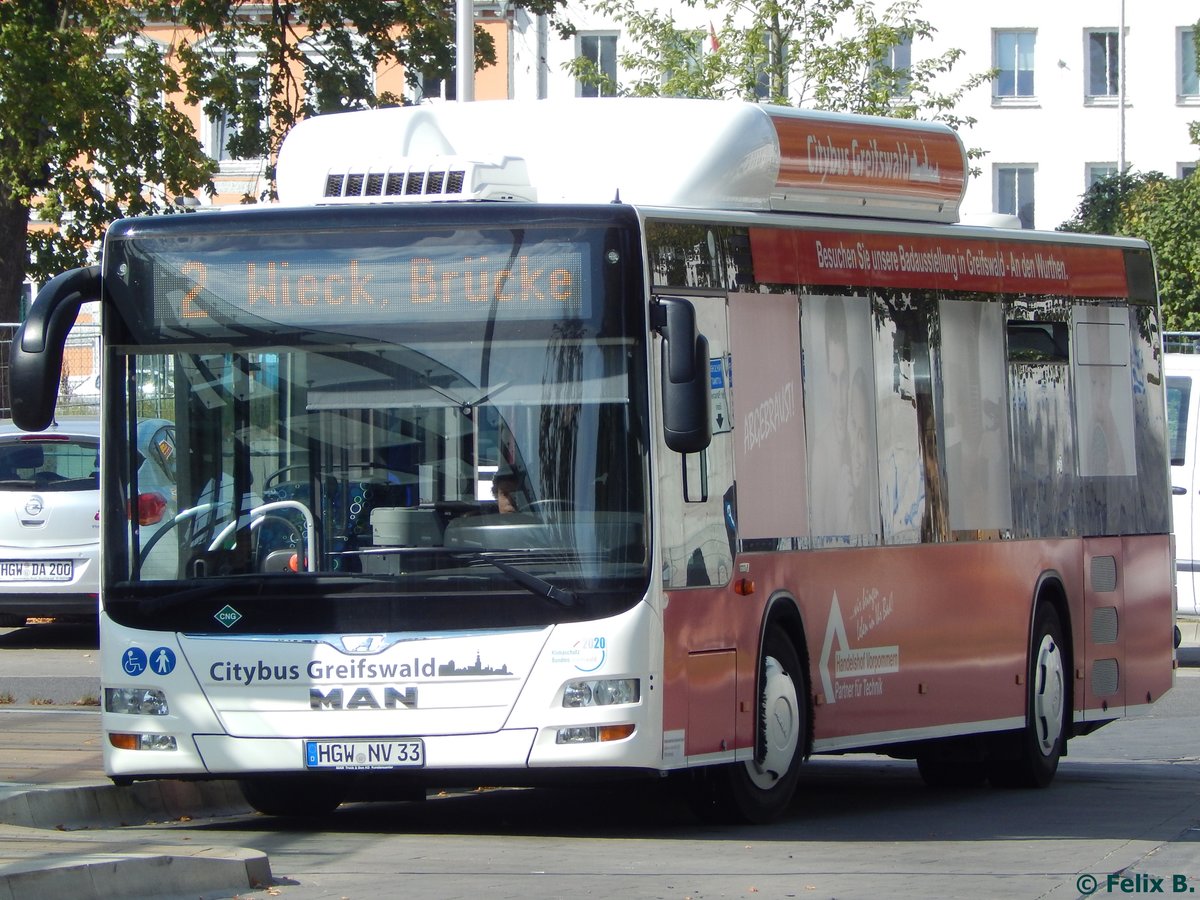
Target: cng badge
(228, 616)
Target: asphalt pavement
(61, 819)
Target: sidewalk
(59, 817)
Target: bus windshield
(467, 431)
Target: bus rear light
(123, 741)
(150, 508)
(135, 701)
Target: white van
(1183, 431)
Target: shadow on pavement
(55, 635)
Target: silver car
(49, 521)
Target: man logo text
(363, 698)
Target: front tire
(1044, 739)
(760, 790)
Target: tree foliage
(822, 54)
(94, 117)
(1166, 213)
(1163, 211)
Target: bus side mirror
(35, 364)
(686, 396)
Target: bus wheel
(760, 790)
(1045, 735)
(293, 796)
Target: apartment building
(1050, 122)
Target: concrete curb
(37, 865)
(152, 872)
(110, 806)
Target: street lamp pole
(1121, 93)
(465, 50)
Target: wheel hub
(781, 725)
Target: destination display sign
(310, 286)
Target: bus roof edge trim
(697, 154)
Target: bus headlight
(143, 741)
(605, 692)
(593, 733)
(135, 701)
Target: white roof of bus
(697, 154)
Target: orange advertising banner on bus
(936, 262)
(869, 157)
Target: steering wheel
(259, 514)
(182, 516)
(353, 467)
(550, 507)
(278, 473)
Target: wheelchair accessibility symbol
(161, 661)
(134, 661)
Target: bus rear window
(1037, 342)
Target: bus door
(696, 540)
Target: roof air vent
(439, 179)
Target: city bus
(532, 442)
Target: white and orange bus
(633, 437)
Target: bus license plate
(359, 754)
(36, 570)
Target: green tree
(1163, 211)
(91, 127)
(822, 54)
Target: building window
(1014, 63)
(895, 65)
(773, 55)
(1189, 80)
(251, 100)
(1187, 169)
(438, 85)
(1097, 171)
(1014, 192)
(1103, 64)
(683, 58)
(601, 51)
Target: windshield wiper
(536, 585)
(532, 583)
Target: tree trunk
(14, 224)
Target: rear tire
(296, 796)
(759, 791)
(1044, 739)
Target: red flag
(713, 43)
